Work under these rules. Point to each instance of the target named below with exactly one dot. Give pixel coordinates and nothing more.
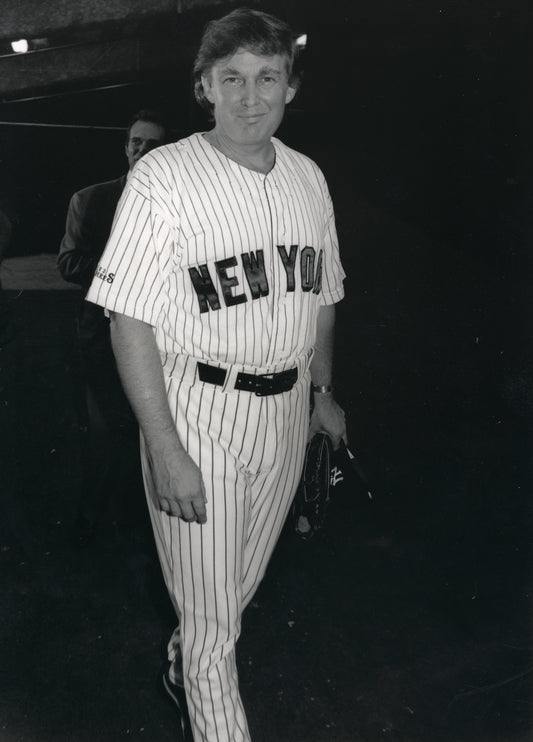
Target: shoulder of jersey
(293, 156)
(167, 153)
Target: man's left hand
(328, 417)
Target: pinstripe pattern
(229, 266)
(212, 572)
(165, 226)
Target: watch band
(322, 388)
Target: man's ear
(289, 95)
(208, 91)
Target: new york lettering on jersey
(252, 265)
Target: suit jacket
(89, 219)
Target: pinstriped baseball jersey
(227, 264)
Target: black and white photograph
(266, 371)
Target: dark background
(419, 607)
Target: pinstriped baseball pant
(250, 451)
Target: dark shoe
(176, 696)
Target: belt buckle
(264, 389)
(288, 379)
(280, 382)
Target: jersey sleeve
(333, 273)
(130, 277)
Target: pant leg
(202, 566)
(248, 449)
(274, 485)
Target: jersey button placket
(280, 236)
(274, 207)
(257, 208)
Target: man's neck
(258, 157)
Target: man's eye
(135, 141)
(232, 80)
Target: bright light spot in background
(21, 46)
(302, 40)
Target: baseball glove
(312, 497)
(326, 472)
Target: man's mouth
(251, 117)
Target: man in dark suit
(110, 461)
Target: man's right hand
(179, 486)
(177, 480)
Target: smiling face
(249, 94)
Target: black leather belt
(260, 384)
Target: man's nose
(249, 95)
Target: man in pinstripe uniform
(221, 277)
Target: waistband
(262, 385)
(185, 369)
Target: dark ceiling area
(86, 74)
(410, 102)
